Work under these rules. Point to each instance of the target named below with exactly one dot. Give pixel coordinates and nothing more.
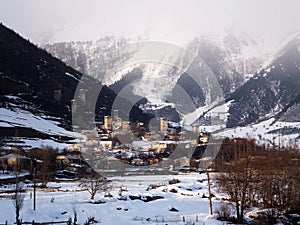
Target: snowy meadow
(159, 199)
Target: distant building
(107, 123)
(116, 115)
(106, 143)
(74, 147)
(203, 138)
(66, 159)
(125, 125)
(163, 124)
(141, 146)
(117, 123)
(137, 162)
(158, 146)
(196, 129)
(14, 162)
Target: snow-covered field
(185, 196)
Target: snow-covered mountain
(273, 92)
(267, 106)
(231, 57)
(91, 57)
(23, 128)
(36, 94)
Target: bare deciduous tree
(46, 167)
(94, 184)
(238, 176)
(223, 211)
(279, 184)
(18, 200)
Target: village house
(158, 146)
(142, 146)
(14, 162)
(106, 143)
(69, 166)
(66, 159)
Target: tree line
(253, 175)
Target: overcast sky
(46, 21)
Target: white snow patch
(268, 70)
(220, 111)
(71, 75)
(12, 97)
(157, 82)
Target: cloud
(168, 20)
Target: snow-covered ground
(185, 196)
(212, 109)
(25, 119)
(269, 131)
(266, 132)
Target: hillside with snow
(27, 130)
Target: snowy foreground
(192, 208)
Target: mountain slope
(91, 57)
(231, 57)
(39, 82)
(273, 92)
(38, 88)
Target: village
(115, 147)
(163, 145)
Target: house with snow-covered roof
(143, 146)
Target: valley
(125, 129)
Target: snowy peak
(233, 58)
(91, 57)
